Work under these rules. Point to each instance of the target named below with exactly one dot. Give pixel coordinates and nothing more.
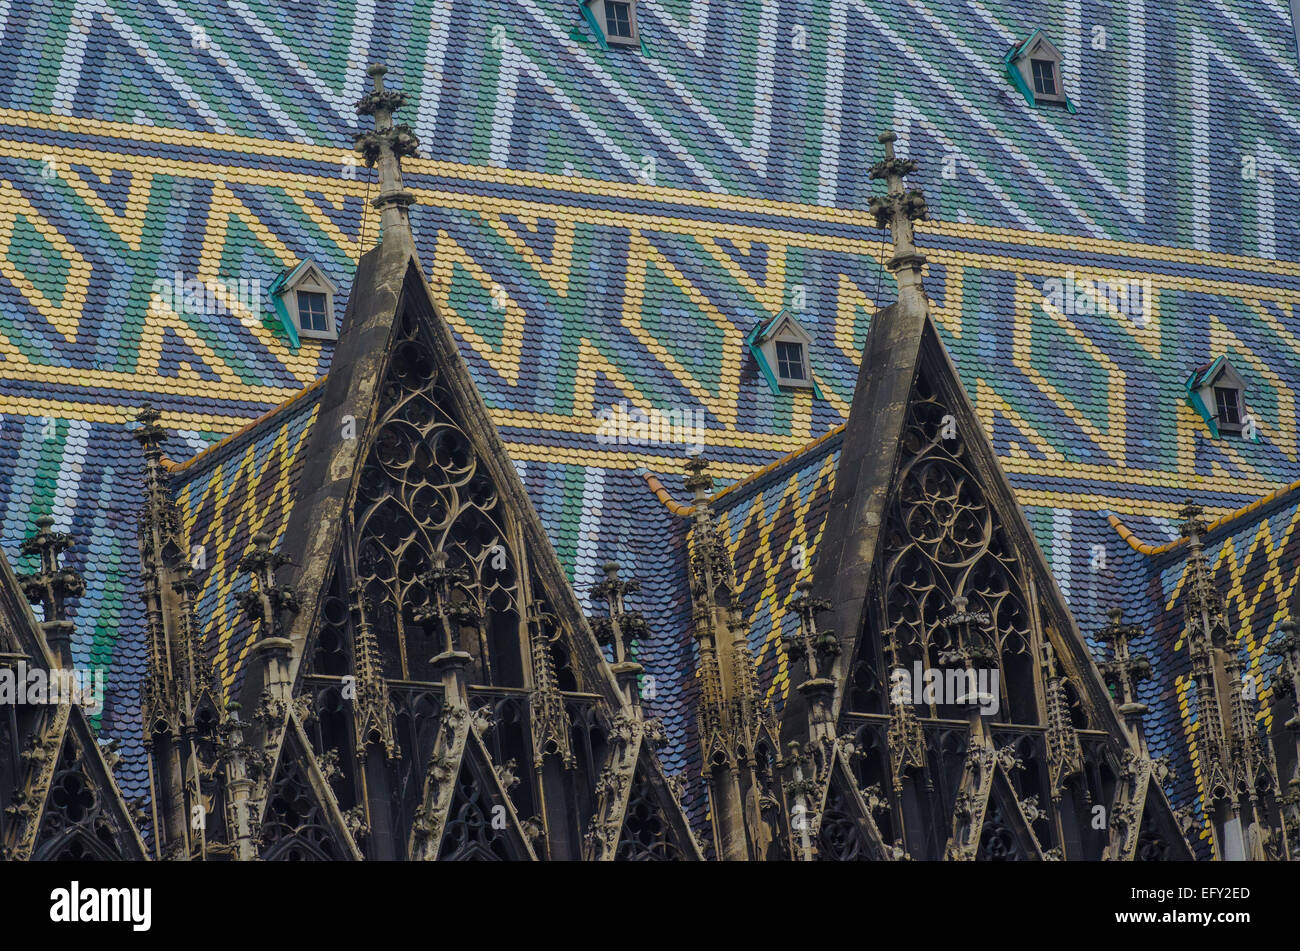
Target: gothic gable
(953, 607)
(1146, 828)
(83, 818)
(301, 821)
(846, 829)
(651, 831)
(466, 812)
(637, 817)
(57, 791)
(427, 477)
(420, 567)
(947, 527)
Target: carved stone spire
(618, 629)
(180, 690)
(266, 603)
(1286, 646)
(710, 590)
(550, 724)
(1240, 777)
(179, 671)
(1064, 752)
(1204, 632)
(1123, 671)
(906, 738)
(51, 585)
(386, 145)
(896, 210)
(818, 650)
(440, 617)
(732, 716)
(373, 704)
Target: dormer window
(618, 20)
(1218, 393)
(304, 299)
(791, 361)
(613, 21)
(780, 348)
(1044, 77)
(1034, 67)
(1227, 402)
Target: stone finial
(699, 481)
(267, 601)
(818, 647)
(898, 207)
(1193, 524)
(385, 146)
(622, 626)
(150, 434)
(1124, 670)
(51, 585)
(970, 632)
(441, 614)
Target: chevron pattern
(752, 99)
(607, 226)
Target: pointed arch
(638, 817)
(846, 828)
(648, 833)
(1142, 823)
(83, 817)
(301, 821)
(1006, 835)
(466, 812)
(481, 824)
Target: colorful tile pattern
(1255, 563)
(607, 226)
(225, 497)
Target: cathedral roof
(605, 227)
(242, 486)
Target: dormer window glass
(1227, 402)
(1044, 77)
(618, 19)
(790, 361)
(312, 314)
(613, 22)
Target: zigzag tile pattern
(774, 525)
(1255, 563)
(772, 98)
(225, 497)
(607, 226)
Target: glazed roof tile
(632, 216)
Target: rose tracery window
(943, 541)
(423, 490)
(76, 825)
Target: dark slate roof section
(89, 476)
(1255, 563)
(226, 495)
